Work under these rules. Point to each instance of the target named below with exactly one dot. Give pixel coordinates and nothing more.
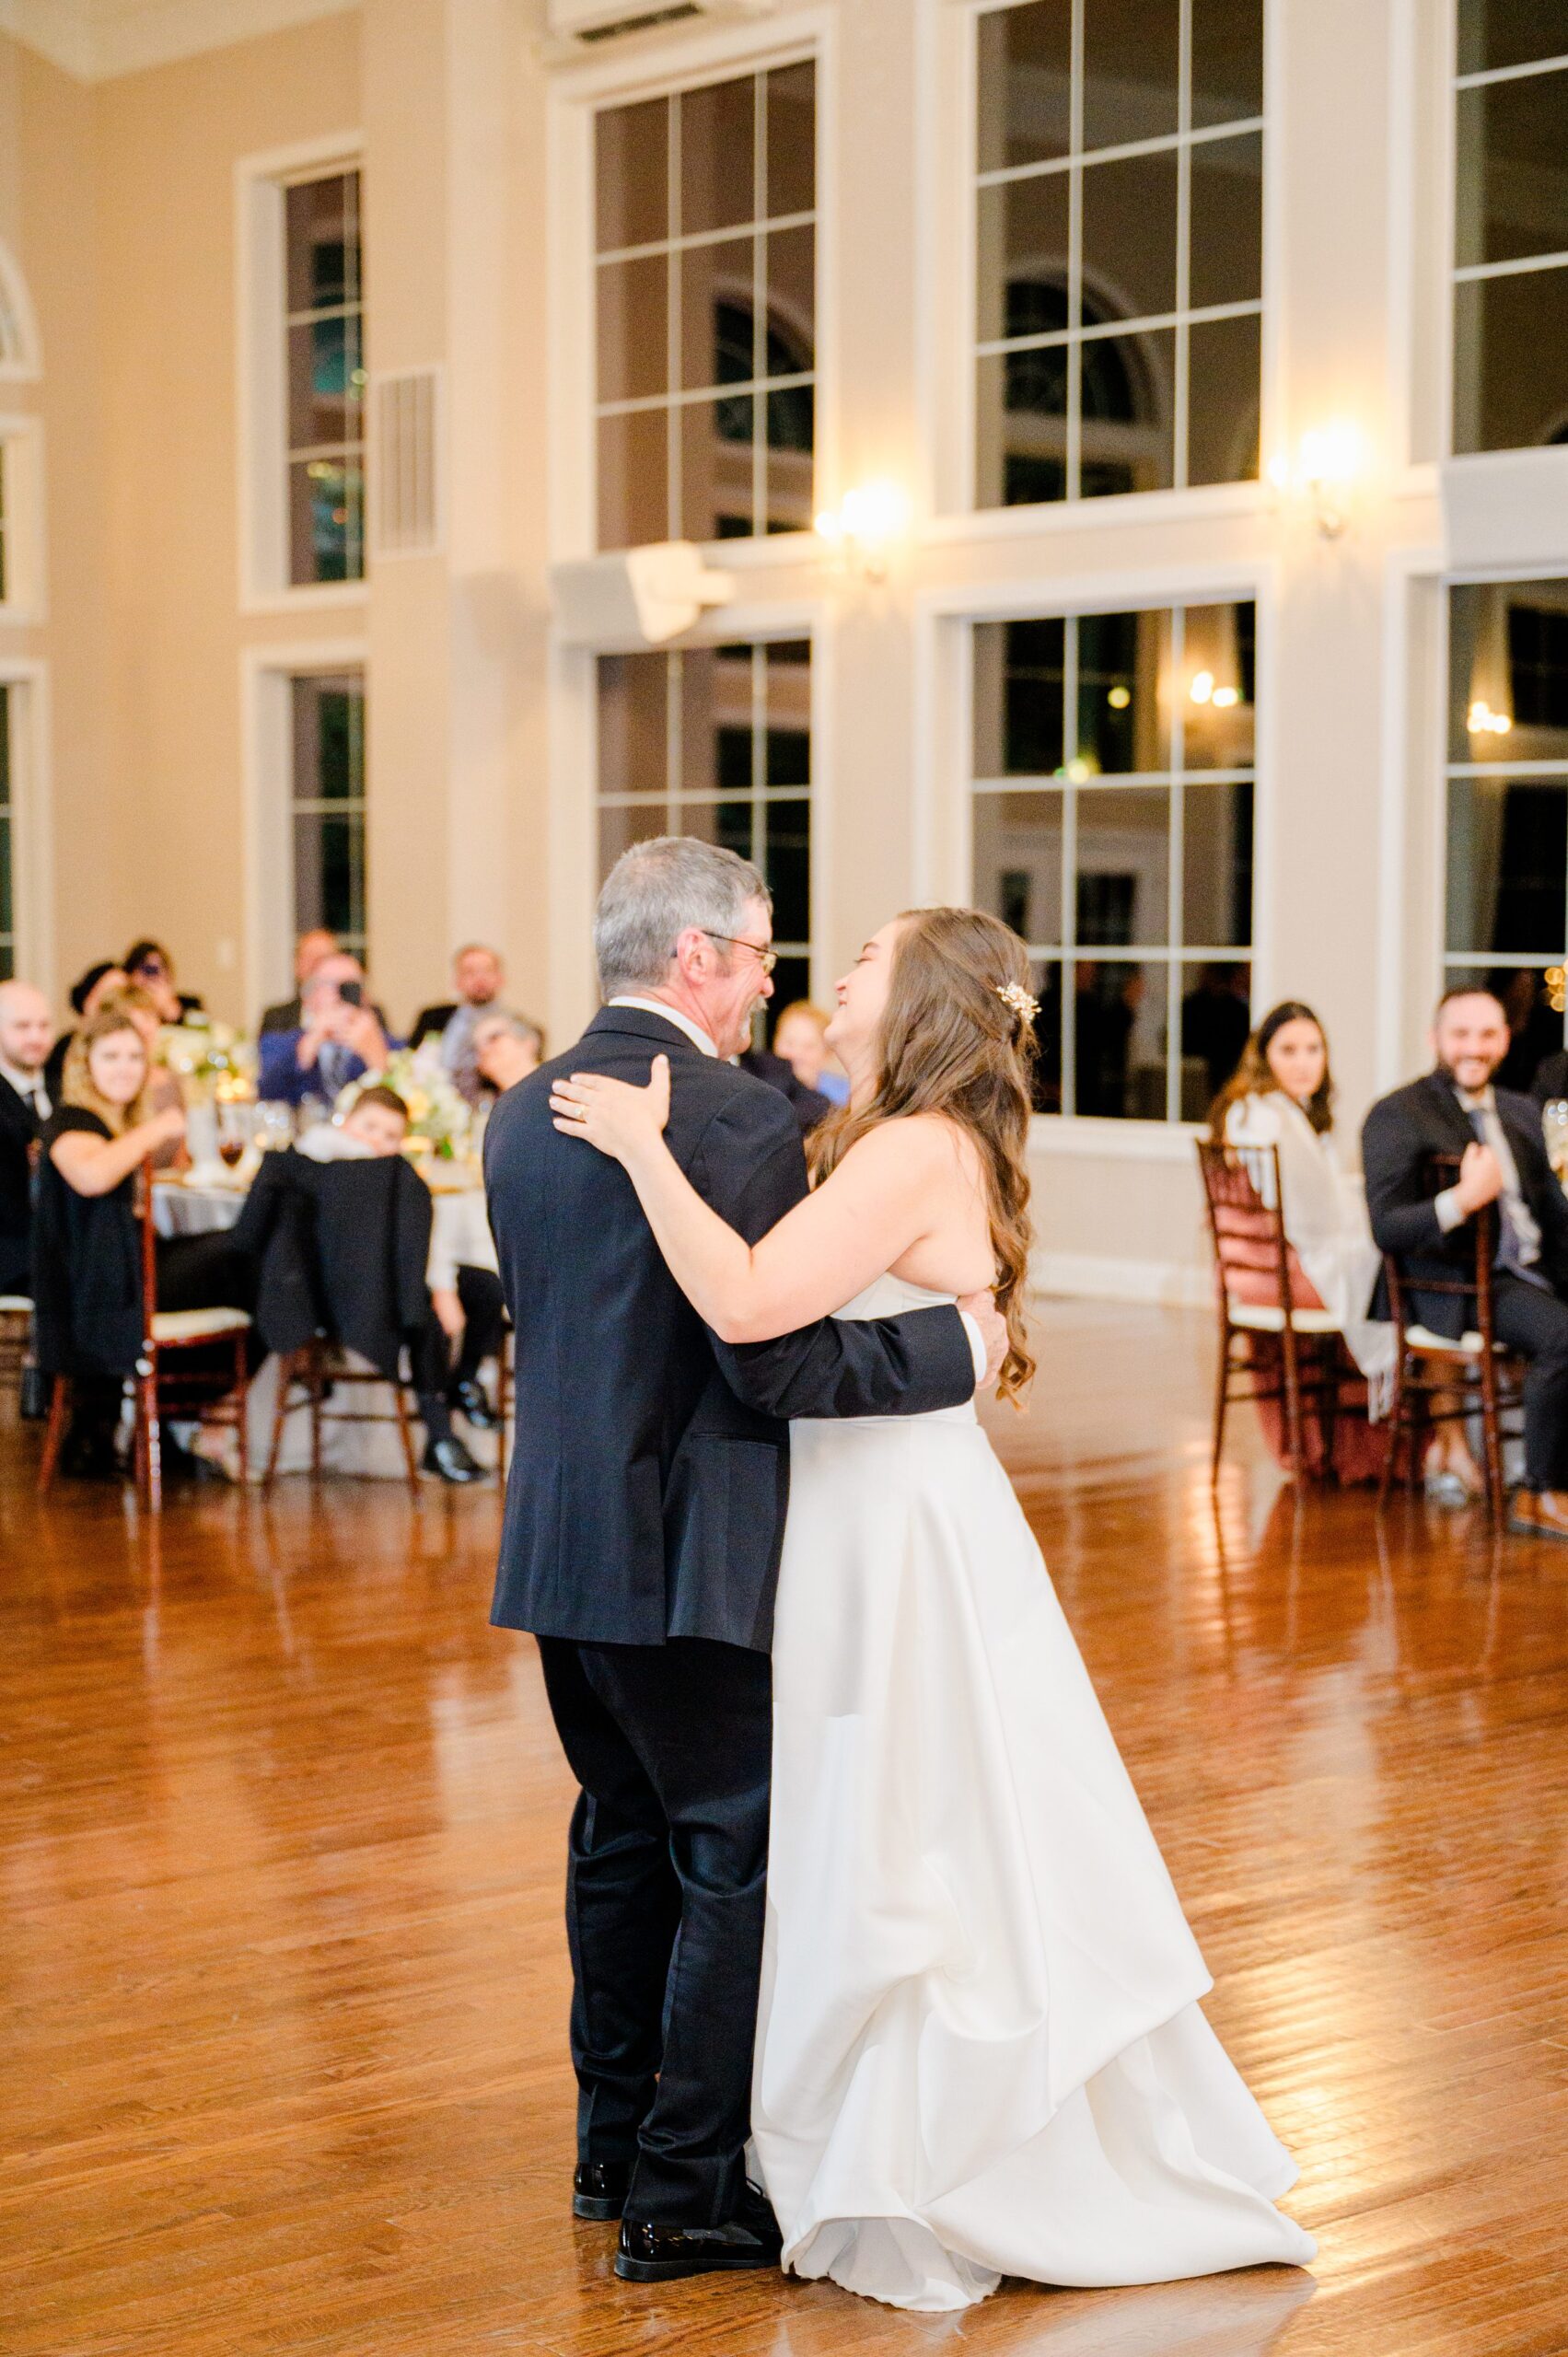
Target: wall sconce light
(1482, 721)
(1323, 473)
(864, 526)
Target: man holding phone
(339, 1037)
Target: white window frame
(24, 600)
(949, 91)
(653, 69)
(267, 673)
(262, 399)
(23, 363)
(944, 739)
(32, 880)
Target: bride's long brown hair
(949, 1043)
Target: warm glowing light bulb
(1225, 697)
(1119, 699)
(1501, 724)
(1202, 687)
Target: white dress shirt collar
(694, 1031)
(27, 1085)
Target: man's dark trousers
(666, 1885)
(1533, 1321)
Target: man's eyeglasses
(766, 958)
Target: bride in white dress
(979, 2049)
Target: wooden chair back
(1236, 1205)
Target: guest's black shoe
(466, 1395)
(450, 1460)
(650, 2253)
(599, 2189)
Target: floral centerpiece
(209, 1058)
(437, 1114)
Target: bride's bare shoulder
(923, 1144)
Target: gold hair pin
(1025, 1007)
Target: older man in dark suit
(1457, 1110)
(641, 1545)
(25, 1030)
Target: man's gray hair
(517, 1027)
(656, 891)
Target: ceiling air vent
(576, 25)
(407, 502)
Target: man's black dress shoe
(650, 2253)
(467, 1394)
(599, 2189)
(451, 1460)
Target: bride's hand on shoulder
(612, 1114)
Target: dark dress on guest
(86, 1270)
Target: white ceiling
(96, 39)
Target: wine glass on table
(232, 1138)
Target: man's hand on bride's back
(612, 1114)
(993, 1326)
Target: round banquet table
(459, 1232)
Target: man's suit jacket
(18, 1130)
(1399, 1136)
(651, 1467)
(341, 1248)
(431, 1019)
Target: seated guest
(163, 1085)
(800, 1036)
(1281, 1095)
(1456, 1110)
(88, 995)
(309, 952)
(477, 975)
(506, 1048)
(87, 1242)
(148, 964)
(376, 1125)
(338, 1039)
(25, 1028)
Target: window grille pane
(1216, 688)
(717, 480)
(790, 259)
(327, 519)
(1021, 427)
(1215, 1019)
(1123, 868)
(1227, 60)
(1131, 51)
(792, 140)
(1538, 666)
(325, 373)
(718, 331)
(1216, 866)
(1129, 237)
(1511, 361)
(791, 437)
(786, 864)
(1511, 134)
(717, 156)
(1017, 862)
(1122, 720)
(634, 313)
(1120, 1025)
(632, 174)
(326, 383)
(633, 479)
(1508, 32)
(1507, 865)
(1128, 401)
(623, 824)
(1224, 371)
(322, 233)
(1227, 259)
(1025, 83)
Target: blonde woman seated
(164, 1093)
(1280, 1095)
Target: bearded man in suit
(1457, 1110)
(25, 1030)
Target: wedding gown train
(980, 2048)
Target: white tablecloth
(460, 1233)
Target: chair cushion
(1466, 1346)
(1267, 1318)
(197, 1325)
(15, 1305)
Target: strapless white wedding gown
(979, 2049)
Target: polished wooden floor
(284, 1984)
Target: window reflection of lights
(1202, 687)
(1482, 721)
(1225, 697)
(1119, 699)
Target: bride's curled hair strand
(950, 1043)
